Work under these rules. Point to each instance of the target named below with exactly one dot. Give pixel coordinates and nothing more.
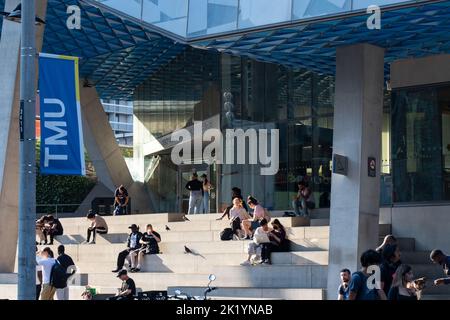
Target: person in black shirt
(403, 286)
(128, 289)
(121, 199)
(67, 263)
(149, 241)
(53, 227)
(133, 244)
(391, 261)
(196, 194)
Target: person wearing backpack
(45, 259)
(67, 264)
(358, 287)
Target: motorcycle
(179, 295)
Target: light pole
(27, 157)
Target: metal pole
(27, 158)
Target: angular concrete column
(355, 198)
(107, 158)
(9, 131)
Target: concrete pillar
(358, 109)
(105, 154)
(9, 131)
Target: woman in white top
(207, 186)
(237, 215)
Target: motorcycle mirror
(212, 277)
(177, 292)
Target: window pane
(364, 4)
(262, 12)
(130, 7)
(212, 16)
(312, 8)
(169, 15)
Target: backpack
(59, 276)
(226, 234)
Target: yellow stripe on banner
(77, 80)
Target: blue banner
(62, 148)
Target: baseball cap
(122, 273)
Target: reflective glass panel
(212, 16)
(130, 7)
(262, 12)
(169, 15)
(312, 8)
(364, 4)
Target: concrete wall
(416, 72)
(428, 225)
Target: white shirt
(38, 268)
(260, 236)
(47, 265)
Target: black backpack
(59, 276)
(226, 234)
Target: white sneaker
(246, 263)
(84, 242)
(257, 260)
(92, 242)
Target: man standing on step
(67, 264)
(195, 188)
(438, 257)
(46, 260)
(133, 244)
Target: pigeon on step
(186, 218)
(187, 250)
(167, 228)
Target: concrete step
(385, 229)
(436, 297)
(255, 293)
(200, 235)
(416, 257)
(181, 263)
(137, 218)
(272, 276)
(196, 224)
(100, 252)
(320, 222)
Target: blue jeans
(300, 208)
(195, 202)
(205, 206)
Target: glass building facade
(194, 18)
(231, 93)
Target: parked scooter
(179, 295)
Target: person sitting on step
(98, 225)
(149, 242)
(259, 213)
(133, 244)
(260, 237)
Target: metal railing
(58, 210)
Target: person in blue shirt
(438, 257)
(360, 288)
(344, 288)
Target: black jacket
(138, 238)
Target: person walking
(207, 187)
(195, 188)
(98, 225)
(67, 264)
(46, 260)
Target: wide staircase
(299, 274)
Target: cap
(133, 226)
(122, 273)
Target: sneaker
(257, 260)
(92, 242)
(116, 270)
(84, 242)
(137, 269)
(266, 262)
(246, 263)
(132, 270)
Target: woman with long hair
(404, 287)
(207, 186)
